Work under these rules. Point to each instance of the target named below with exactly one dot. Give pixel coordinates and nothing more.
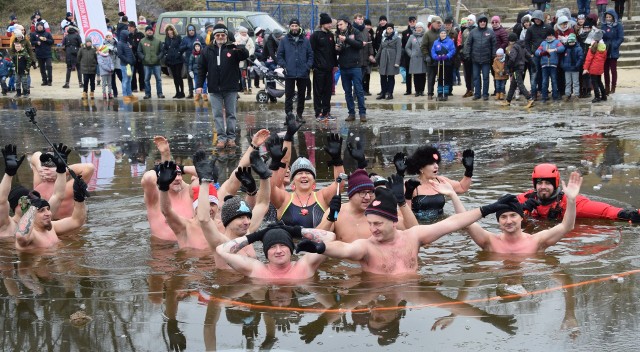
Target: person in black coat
(135, 36)
(173, 59)
(42, 42)
(405, 59)
(71, 44)
(377, 39)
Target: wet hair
(423, 156)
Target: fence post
(387, 8)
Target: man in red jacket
(548, 201)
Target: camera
(31, 113)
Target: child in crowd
(501, 75)
(584, 40)
(594, 66)
(572, 60)
(6, 71)
(106, 67)
(22, 61)
(112, 44)
(549, 52)
(193, 66)
(88, 65)
(516, 62)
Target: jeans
(477, 85)
(353, 77)
(126, 82)
(550, 72)
(501, 85)
(601, 11)
(225, 126)
(584, 7)
(290, 92)
(155, 71)
(571, 79)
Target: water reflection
(148, 296)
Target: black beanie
(513, 37)
(15, 194)
(383, 17)
(324, 18)
(513, 206)
(384, 205)
(294, 21)
(276, 236)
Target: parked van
(232, 19)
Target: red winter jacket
(594, 63)
(585, 208)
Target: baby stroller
(273, 83)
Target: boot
(84, 95)
(613, 90)
(363, 118)
(66, 85)
(529, 103)
(505, 103)
(468, 94)
(18, 93)
(104, 96)
(190, 96)
(380, 96)
(350, 118)
(4, 92)
(607, 91)
(126, 99)
(389, 96)
(196, 97)
(110, 96)
(205, 97)
(26, 93)
(133, 98)
(92, 96)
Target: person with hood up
(442, 52)
(173, 59)
(194, 67)
(71, 44)
(549, 53)
(388, 59)
(526, 23)
(6, 70)
(417, 64)
(613, 36)
(112, 44)
(517, 59)
(243, 38)
(127, 63)
(536, 34)
(572, 60)
(42, 42)
(594, 66)
(106, 67)
(186, 48)
(480, 48)
(88, 65)
(296, 56)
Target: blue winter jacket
(613, 35)
(187, 42)
(443, 47)
(43, 49)
(124, 52)
(295, 56)
(550, 58)
(5, 67)
(572, 58)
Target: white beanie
(18, 33)
(500, 51)
(471, 18)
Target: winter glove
(334, 148)
(11, 161)
(629, 214)
(410, 186)
(400, 161)
(310, 246)
(467, 161)
(246, 179)
(205, 167)
(397, 188)
(357, 153)
(167, 173)
(334, 208)
(508, 201)
(292, 127)
(259, 165)
(64, 152)
(80, 192)
(309, 332)
(530, 204)
(259, 235)
(277, 152)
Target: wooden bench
(58, 51)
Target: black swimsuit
(292, 215)
(428, 207)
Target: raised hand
(80, 192)
(409, 187)
(443, 188)
(334, 208)
(64, 152)
(292, 127)
(396, 185)
(277, 152)
(205, 167)
(167, 173)
(310, 246)
(357, 153)
(259, 166)
(400, 161)
(260, 137)
(573, 187)
(11, 161)
(309, 332)
(334, 149)
(246, 179)
(467, 161)
(508, 201)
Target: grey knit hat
(300, 164)
(234, 207)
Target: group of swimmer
(377, 227)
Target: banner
(90, 19)
(129, 9)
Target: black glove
(310, 246)
(259, 235)
(357, 153)
(292, 127)
(244, 176)
(334, 208)
(467, 162)
(11, 161)
(259, 166)
(80, 192)
(400, 161)
(64, 152)
(334, 149)
(530, 204)
(309, 332)
(276, 151)
(294, 231)
(396, 185)
(508, 201)
(205, 167)
(166, 174)
(629, 214)
(410, 186)
(177, 340)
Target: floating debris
(80, 319)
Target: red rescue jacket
(585, 208)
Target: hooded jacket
(572, 58)
(323, 46)
(22, 61)
(295, 55)
(429, 38)
(613, 35)
(550, 58)
(150, 51)
(171, 47)
(195, 59)
(71, 44)
(42, 47)
(5, 67)
(186, 46)
(481, 44)
(517, 57)
(536, 34)
(389, 55)
(219, 66)
(87, 60)
(594, 63)
(443, 47)
(124, 52)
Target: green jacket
(150, 51)
(87, 60)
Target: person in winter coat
(137, 78)
(367, 53)
(466, 62)
(526, 23)
(112, 45)
(442, 52)
(22, 61)
(404, 61)
(572, 60)
(613, 36)
(324, 60)
(42, 42)
(430, 37)
(71, 44)
(501, 73)
(150, 54)
(296, 56)
(417, 65)
(594, 66)
(380, 29)
(584, 40)
(349, 44)
(549, 53)
(194, 67)
(106, 67)
(243, 38)
(173, 59)
(517, 28)
(127, 58)
(536, 34)
(6, 70)
(517, 59)
(480, 48)
(388, 59)
(270, 51)
(219, 66)
(88, 65)
(186, 48)
(502, 37)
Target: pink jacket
(602, 2)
